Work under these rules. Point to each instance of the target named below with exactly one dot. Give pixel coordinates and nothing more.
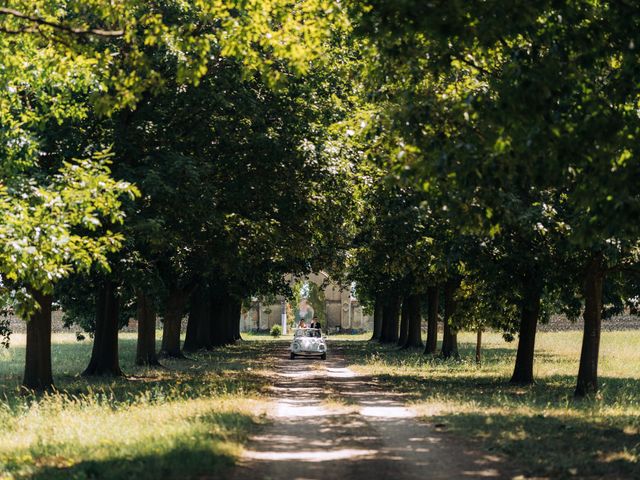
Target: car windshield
(308, 332)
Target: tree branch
(18, 31)
(633, 268)
(54, 38)
(58, 26)
(472, 64)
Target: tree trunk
(404, 322)
(191, 335)
(432, 321)
(198, 335)
(450, 338)
(205, 326)
(224, 318)
(529, 314)
(479, 347)
(377, 319)
(104, 355)
(234, 319)
(146, 346)
(38, 375)
(390, 317)
(232, 313)
(259, 317)
(172, 325)
(384, 321)
(218, 319)
(414, 330)
(588, 371)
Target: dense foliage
(179, 157)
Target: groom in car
(315, 323)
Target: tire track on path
(329, 423)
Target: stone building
(341, 310)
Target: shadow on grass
(361, 352)
(224, 370)
(554, 391)
(429, 377)
(540, 427)
(205, 448)
(556, 446)
(201, 453)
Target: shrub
(276, 331)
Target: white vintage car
(308, 342)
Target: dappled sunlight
(366, 430)
(387, 412)
(76, 429)
(291, 410)
(380, 409)
(312, 455)
(534, 425)
(158, 419)
(340, 373)
(624, 455)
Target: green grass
(541, 428)
(191, 419)
(184, 421)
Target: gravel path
(329, 423)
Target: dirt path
(329, 423)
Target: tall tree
(104, 355)
(414, 327)
(527, 103)
(450, 337)
(431, 344)
(146, 344)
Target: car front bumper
(309, 352)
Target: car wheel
(323, 356)
(293, 356)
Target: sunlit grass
(190, 418)
(542, 428)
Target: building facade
(342, 312)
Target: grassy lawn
(191, 419)
(541, 428)
(187, 420)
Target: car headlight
(296, 346)
(321, 346)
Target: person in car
(315, 323)
(302, 324)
